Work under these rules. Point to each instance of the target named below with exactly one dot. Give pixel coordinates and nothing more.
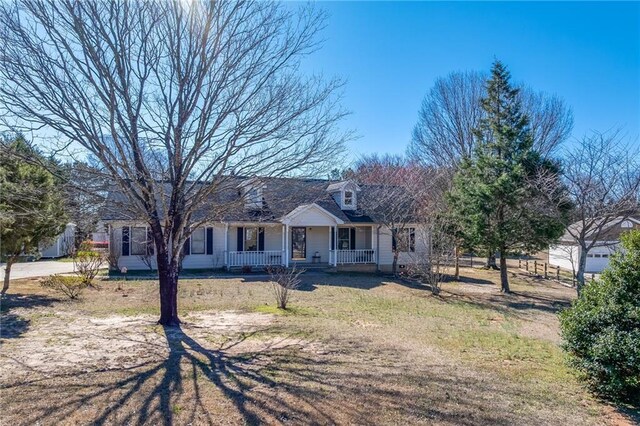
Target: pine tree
(493, 196)
(31, 203)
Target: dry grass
(351, 350)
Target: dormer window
(348, 198)
(627, 224)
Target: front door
(298, 243)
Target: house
(62, 245)
(566, 252)
(276, 221)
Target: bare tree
(394, 192)
(170, 98)
(602, 179)
(443, 135)
(284, 279)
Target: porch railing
(353, 256)
(255, 258)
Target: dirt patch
(64, 341)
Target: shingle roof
(281, 196)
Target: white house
(279, 221)
(566, 253)
(62, 245)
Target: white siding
(62, 245)
(404, 258)
(195, 261)
(564, 256)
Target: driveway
(40, 268)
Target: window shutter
(333, 238)
(186, 249)
(260, 239)
(353, 238)
(125, 241)
(149, 242)
(240, 245)
(209, 240)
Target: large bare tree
(602, 179)
(170, 98)
(443, 135)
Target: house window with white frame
(198, 241)
(348, 198)
(627, 224)
(138, 241)
(250, 239)
(344, 238)
(406, 240)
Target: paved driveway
(38, 269)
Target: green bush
(601, 331)
(70, 286)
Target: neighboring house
(566, 253)
(62, 245)
(277, 221)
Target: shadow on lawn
(13, 325)
(283, 384)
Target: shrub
(601, 331)
(283, 280)
(87, 265)
(70, 286)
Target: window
(406, 240)
(197, 241)
(597, 255)
(627, 224)
(348, 198)
(589, 255)
(138, 241)
(605, 255)
(344, 239)
(250, 239)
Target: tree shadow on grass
(279, 383)
(13, 325)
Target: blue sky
(391, 53)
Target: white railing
(255, 258)
(353, 256)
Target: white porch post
(286, 246)
(330, 262)
(335, 234)
(226, 245)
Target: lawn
(353, 349)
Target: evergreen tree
(494, 195)
(31, 203)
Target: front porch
(302, 246)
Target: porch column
(226, 245)
(286, 246)
(335, 234)
(330, 247)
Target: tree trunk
(504, 277)
(168, 277)
(7, 274)
(582, 265)
(457, 263)
(491, 262)
(394, 266)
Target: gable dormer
(252, 191)
(345, 193)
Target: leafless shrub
(70, 286)
(87, 264)
(284, 279)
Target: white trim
(288, 218)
